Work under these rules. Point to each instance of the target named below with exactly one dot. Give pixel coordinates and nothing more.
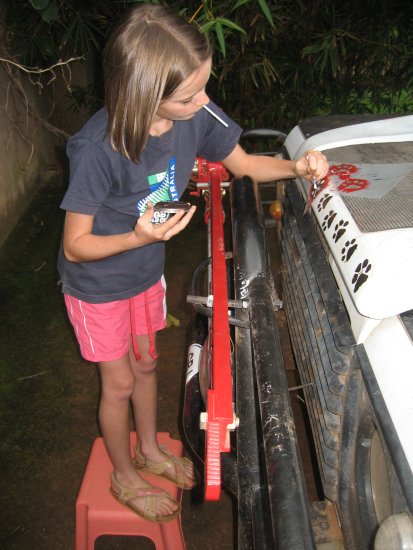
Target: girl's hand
(147, 232)
(312, 165)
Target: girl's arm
(81, 245)
(263, 168)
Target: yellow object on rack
(172, 321)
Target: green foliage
(47, 9)
(43, 31)
(86, 99)
(274, 62)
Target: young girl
(138, 150)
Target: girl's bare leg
(118, 384)
(145, 395)
(144, 401)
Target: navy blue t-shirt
(113, 189)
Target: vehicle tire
(369, 490)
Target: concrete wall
(27, 150)
(30, 153)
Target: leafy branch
(274, 62)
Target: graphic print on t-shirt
(162, 187)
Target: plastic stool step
(99, 513)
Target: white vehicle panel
(366, 214)
(390, 351)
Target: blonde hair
(148, 55)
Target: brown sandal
(151, 495)
(160, 468)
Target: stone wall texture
(27, 149)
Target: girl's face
(188, 98)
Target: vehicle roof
(364, 209)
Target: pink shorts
(104, 330)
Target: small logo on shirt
(162, 187)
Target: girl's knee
(146, 364)
(120, 389)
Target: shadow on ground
(49, 395)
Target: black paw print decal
(324, 201)
(328, 220)
(314, 192)
(360, 275)
(348, 250)
(339, 230)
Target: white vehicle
(348, 295)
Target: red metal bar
(219, 419)
(219, 401)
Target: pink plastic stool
(99, 513)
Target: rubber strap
(133, 328)
(152, 349)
